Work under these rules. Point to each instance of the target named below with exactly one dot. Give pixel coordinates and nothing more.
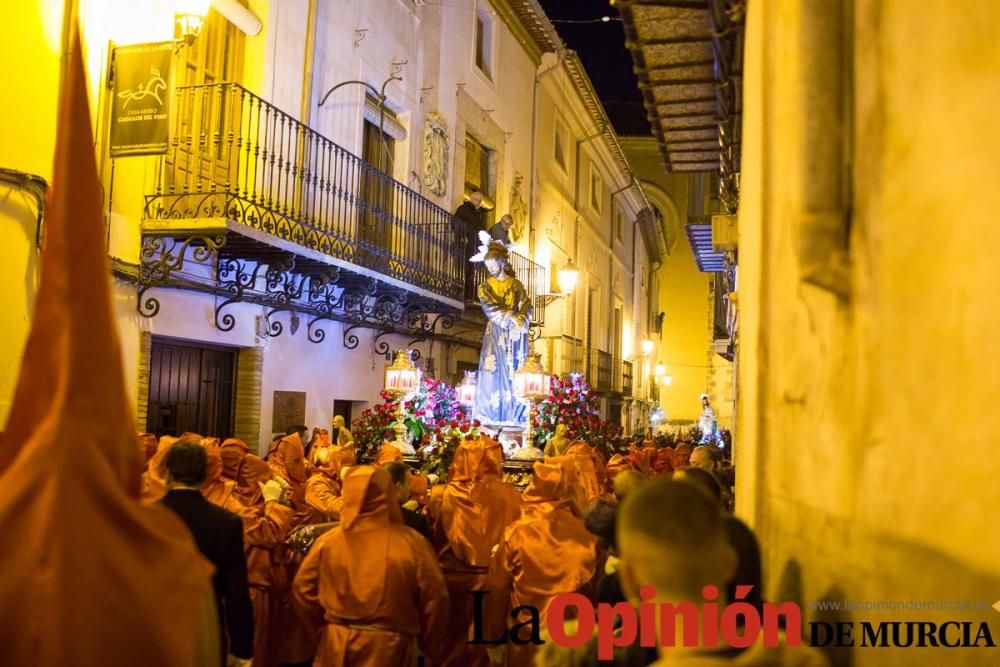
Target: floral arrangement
(373, 426)
(434, 403)
(433, 417)
(439, 443)
(572, 403)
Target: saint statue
(505, 343)
(436, 154)
(558, 443)
(343, 434)
(707, 422)
(518, 209)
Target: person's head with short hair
(507, 221)
(186, 463)
(707, 457)
(703, 479)
(599, 519)
(476, 198)
(626, 482)
(400, 473)
(671, 536)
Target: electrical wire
(603, 19)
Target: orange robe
(265, 527)
(591, 469)
(468, 518)
(546, 552)
(372, 586)
(322, 494)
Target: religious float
(510, 398)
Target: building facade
(297, 229)
(856, 181)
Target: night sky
(601, 47)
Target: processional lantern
(401, 379)
(466, 390)
(531, 383)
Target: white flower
(490, 364)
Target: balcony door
(191, 389)
(205, 114)
(376, 187)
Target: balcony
(280, 215)
(601, 365)
(565, 354)
(623, 378)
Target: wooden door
(206, 114)
(191, 389)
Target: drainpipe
(533, 206)
(309, 53)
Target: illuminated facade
(297, 229)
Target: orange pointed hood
(251, 471)
(473, 514)
(370, 506)
(289, 459)
(232, 454)
(93, 577)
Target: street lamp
(189, 17)
(567, 277)
(647, 347)
(531, 383)
(466, 390)
(401, 378)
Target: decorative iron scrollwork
(235, 278)
(161, 256)
(350, 338)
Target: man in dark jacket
(400, 473)
(219, 536)
(469, 222)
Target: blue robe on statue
(505, 347)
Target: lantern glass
(567, 277)
(402, 377)
(531, 381)
(466, 390)
(647, 347)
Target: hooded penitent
(546, 552)
(468, 519)
(89, 575)
(372, 584)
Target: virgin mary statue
(505, 344)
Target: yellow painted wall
(682, 293)
(866, 442)
(29, 64)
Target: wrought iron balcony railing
(530, 273)
(624, 379)
(233, 155)
(601, 371)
